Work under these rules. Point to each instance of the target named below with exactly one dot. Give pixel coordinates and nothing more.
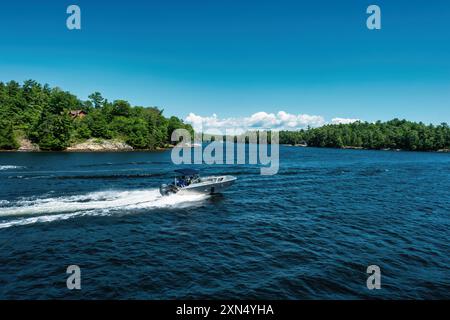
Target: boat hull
(207, 185)
(207, 188)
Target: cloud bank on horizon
(260, 121)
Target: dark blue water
(307, 233)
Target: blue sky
(235, 58)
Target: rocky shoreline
(27, 146)
(91, 145)
(100, 145)
(362, 148)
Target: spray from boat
(104, 203)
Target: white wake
(90, 204)
(8, 167)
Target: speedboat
(188, 181)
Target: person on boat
(180, 182)
(183, 181)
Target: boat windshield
(184, 181)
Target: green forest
(55, 119)
(394, 134)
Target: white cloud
(257, 121)
(260, 121)
(343, 120)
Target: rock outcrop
(100, 145)
(27, 146)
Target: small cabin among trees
(77, 114)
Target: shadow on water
(216, 198)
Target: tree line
(394, 134)
(49, 118)
(55, 119)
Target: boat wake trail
(92, 204)
(8, 167)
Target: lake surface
(309, 232)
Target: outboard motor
(163, 189)
(166, 190)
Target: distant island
(392, 135)
(37, 117)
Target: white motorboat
(188, 181)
